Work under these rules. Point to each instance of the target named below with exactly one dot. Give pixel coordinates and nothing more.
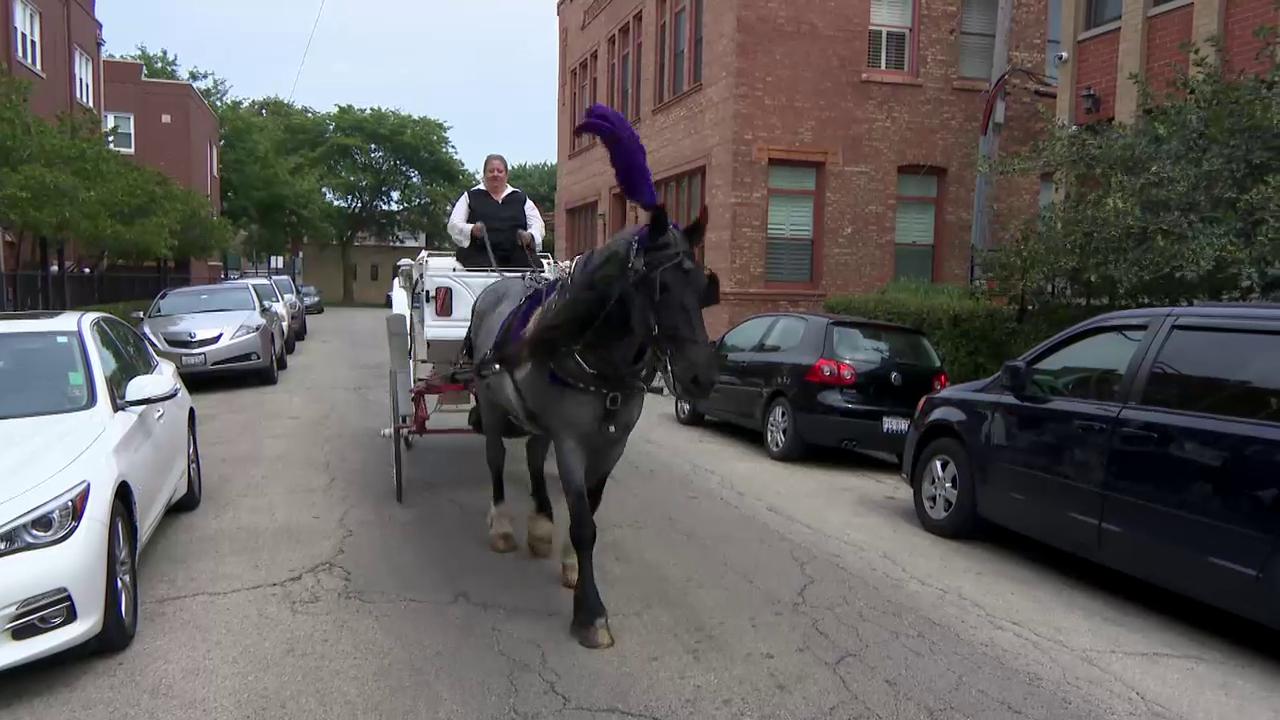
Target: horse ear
(659, 223)
(697, 231)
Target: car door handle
(159, 413)
(1138, 436)
(1089, 426)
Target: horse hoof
(541, 532)
(502, 542)
(569, 575)
(595, 636)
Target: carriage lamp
(1092, 101)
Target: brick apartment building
(1110, 41)
(56, 45)
(833, 142)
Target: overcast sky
(487, 68)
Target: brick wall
(1240, 46)
(789, 80)
(1167, 33)
(1096, 62)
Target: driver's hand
(477, 230)
(525, 237)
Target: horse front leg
(541, 532)
(590, 624)
(502, 535)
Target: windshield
(875, 346)
(308, 290)
(284, 285)
(42, 374)
(205, 300)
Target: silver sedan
(223, 328)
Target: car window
(42, 373)
(141, 361)
(870, 346)
(784, 335)
(746, 336)
(215, 298)
(284, 285)
(115, 361)
(1229, 373)
(266, 292)
(1089, 367)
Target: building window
(889, 37)
(791, 225)
(977, 38)
(584, 95)
(1101, 12)
(684, 195)
(679, 47)
(581, 235)
(915, 226)
(373, 273)
(82, 65)
(611, 96)
(637, 39)
(1053, 39)
(624, 74)
(122, 124)
(26, 33)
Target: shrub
(973, 334)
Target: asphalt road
(737, 588)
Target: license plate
(895, 425)
(193, 360)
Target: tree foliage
(163, 65)
(538, 181)
(1181, 204)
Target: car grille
(189, 344)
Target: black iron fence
(32, 290)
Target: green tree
(538, 181)
(1181, 204)
(163, 65)
(385, 172)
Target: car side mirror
(138, 315)
(1014, 376)
(266, 307)
(149, 390)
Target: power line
(306, 50)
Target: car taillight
(444, 302)
(940, 381)
(832, 372)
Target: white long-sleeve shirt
(460, 229)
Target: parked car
(99, 442)
(268, 292)
(815, 379)
(292, 298)
(312, 303)
(1147, 440)
(217, 329)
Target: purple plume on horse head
(626, 153)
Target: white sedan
(97, 442)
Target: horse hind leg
(502, 535)
(541, 532)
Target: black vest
(502, 220)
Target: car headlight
(48, 524)
(293, 305)
(247, 329)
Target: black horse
(567, 363)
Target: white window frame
(26, 24)
(108, 122)
(884, 30)
(82, 68)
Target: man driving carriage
(507, 215)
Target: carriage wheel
(398, 469)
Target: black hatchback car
(826, 380)
(1147, 440)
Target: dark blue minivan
(1147, 440)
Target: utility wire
(305, 51)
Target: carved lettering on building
(593, 10)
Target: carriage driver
(510, 218)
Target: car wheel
(290, 344)
(195, 479)
(120, 603)
(943, 489)
(271, 374)
(303, 335)
(781, 438)
(284, 357)
(687, 414)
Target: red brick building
(166, 125)
(1112, 40)
(56, 45)
(834, 142)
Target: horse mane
(579, 301)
